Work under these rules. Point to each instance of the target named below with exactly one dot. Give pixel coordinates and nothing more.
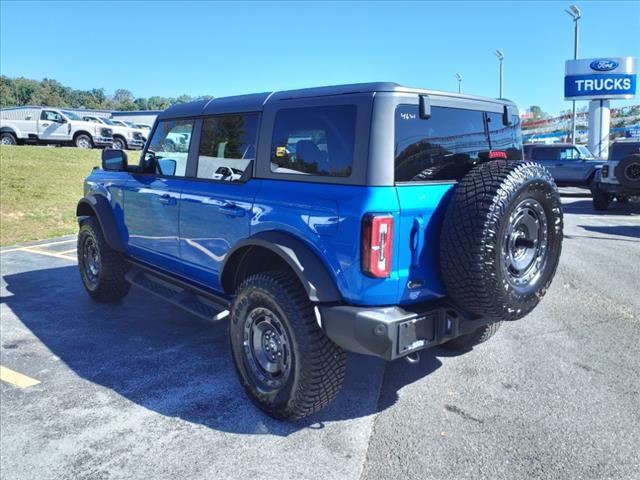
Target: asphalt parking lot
(143, 390)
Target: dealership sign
(600, 78)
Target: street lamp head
(575, 13)
(499, 54)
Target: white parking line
(50, 254)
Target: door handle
(167, 199)
(45, 124)
(417, 240)
(232, 209)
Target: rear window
(450, 143)
(314, 141)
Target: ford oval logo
(603, 65)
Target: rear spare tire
(628, 171)
(501, 239)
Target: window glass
(506, 138)
(51, 116)
(169, 147)
(314, 141)
(569, 154)
(227, 146)
(444, 147)
(584, 152)
(71, 115)
(543, 153)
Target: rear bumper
(394, 332)
(617, 189)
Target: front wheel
(286, 364)
(102, 269)
(119, 144)
(83, 141)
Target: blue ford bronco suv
(370, 218)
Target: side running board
(190, 298)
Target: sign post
(600, 80)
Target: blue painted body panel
(188, 227)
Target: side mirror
(167, 167)
(114, 160)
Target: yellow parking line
(16, 379)
(18, 249)
(73, 250)
(22, 249)
(50, 254)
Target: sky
(199, 48)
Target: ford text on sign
(599, 85)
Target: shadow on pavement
(171, 362)
(583, 207)
(624, 230)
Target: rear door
(216, 209)
(151, 215)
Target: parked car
(405, 219)
(36, 125)
(620, 175)
(124, 137)
(571, 165)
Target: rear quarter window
(315, 141)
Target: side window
(169, 147)
(569, 154)
(314, 141)
(544, 153)
(227, 146)
(444, 147)
(50, 116)
(507, 138)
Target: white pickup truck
(42, 125)
(124, 137)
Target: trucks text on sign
(600, 78)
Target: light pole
(500, 56)
(575, 13)
(459, 78)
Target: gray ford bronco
(370, 218)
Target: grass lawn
(39, 190)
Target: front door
(216, 208)
(152, 196)
(52, 126)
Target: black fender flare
(99, 207)
(312, 273)
(8, 130)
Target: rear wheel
(481, 335)
(102, 269)
(501, 239)
(286, 364)
(601, 199)
(7, 138)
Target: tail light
(377, 242)
(495, 154)
(605, 171)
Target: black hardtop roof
(548, 145)
(255, 102)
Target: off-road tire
(119, 144)
(7, 138)
(83, 139)
(479, 239)
(470, 340)
(109, 284)
(317, 365)
(628, 171)
(601, 199)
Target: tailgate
(422, 209)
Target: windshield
(107, 121)
(584, 151)
(118, 122)
(71, 115)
